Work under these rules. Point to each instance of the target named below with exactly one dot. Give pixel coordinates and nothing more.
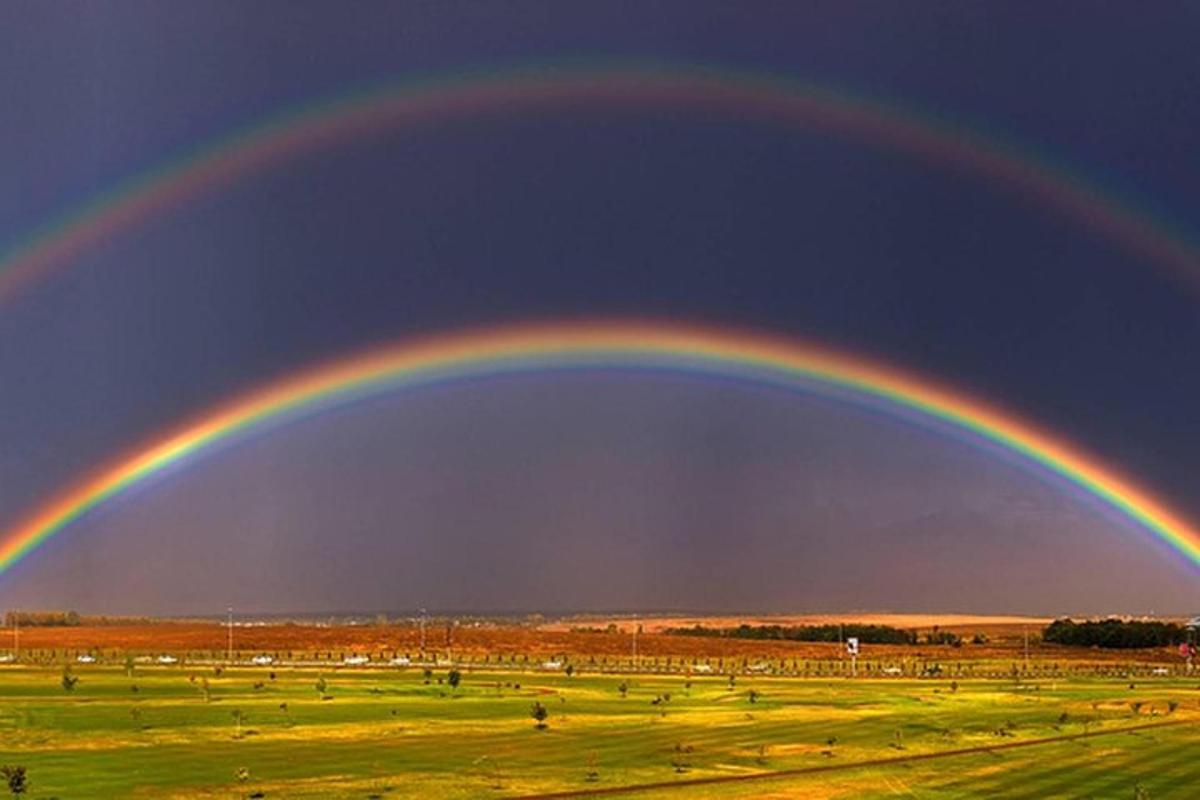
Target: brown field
(958, 623)
(1006, 639)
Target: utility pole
(229, 641)
(16, 636)
(636, 628)
(422, 632)
(1026, 649)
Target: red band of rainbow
(741, 95)
(578, 344)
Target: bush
(539, 714)
(14, 777)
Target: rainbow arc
(587, 345)
(730, 93)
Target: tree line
(867, 634)
(66, 619)
(1114, 633)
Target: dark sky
(606, 490)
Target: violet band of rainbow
(732, 94)
(535, 347)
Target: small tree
(623, 688)
(453, 678)
(321, 686)
(570, 670)
(242, 775)
(238, 718)
(14, 777)
(68, 680)
(539, 714)
(680, 761)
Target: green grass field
(385, 733)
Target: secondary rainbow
(583, 345)
(728, 92)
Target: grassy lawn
(386, 733)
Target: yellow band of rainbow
(531, 348)
(730, 94)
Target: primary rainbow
(584, 345)
(739, 94)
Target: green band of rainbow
(578, 344)
(736, 94)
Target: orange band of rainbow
(728, 92)
(581, 345)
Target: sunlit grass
(387, 733)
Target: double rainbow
(580, 345)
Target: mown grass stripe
(826, 768)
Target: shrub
(539, 714)
(14, 776)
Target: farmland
(199, 729)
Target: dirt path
(822, 768)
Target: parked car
(165, 659)
(85, 658)
(401, 661)
(263, 660)
(356, 660)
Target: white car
(1160, 671)
(262, 661)
(892, 671)
(355, 661)
(551, 665)
(6, 658)
(168, 660)
(401, 661)
(84, 658)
